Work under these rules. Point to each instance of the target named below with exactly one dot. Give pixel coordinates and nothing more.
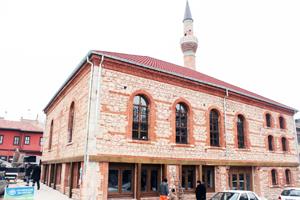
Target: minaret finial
(189, 42)
(187, 13)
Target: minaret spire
(188, 42)
(187, 13)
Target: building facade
(24, 135)
(122, 122)
(297, 123)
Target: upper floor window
(181, 123)
(268, 120)
(274, 177)
(16, 140)
(281, 122)
(271, 143)
(1, 139)
(50, 135)
(241, 131)
(214, 119)
(284, 144)
(140, 118)
(71, 122)
(288, 177)
(27, 140)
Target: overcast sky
(252, 44)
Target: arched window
(140, 118)
(181, 124)
(284, 144)
(50, 135)
(288, 177)
(268, 120)
(271, 143)
(241, 131)
(214, 118)
(281, 122)
(274, 177)
(71, 122)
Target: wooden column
(71, 180)
(49, 175)
(54, 181)
(199, 172)
(164, 171)
(138, 185)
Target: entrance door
(240, 178)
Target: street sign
(19, 193)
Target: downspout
(86, 156)
(86, 152)
(225, 113)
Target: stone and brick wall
(59, 113)
(114, 137)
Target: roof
(187, 13)
(170, 68)
(23, 125)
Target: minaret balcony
(188, 39)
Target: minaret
(188, 42)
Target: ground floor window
(240, 178)
(150, 179)
(188, 174)
(208, 177)
(120, 179)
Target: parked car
(3, 183)
(236, 195)
(290, 194)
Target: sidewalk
(45, 193)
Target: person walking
(200, 191)
(36, 175)
(164, 190)
(28, 171)
(173, 196)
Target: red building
(25, 135)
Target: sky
(252, 44)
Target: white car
(290, 194)
(236, 195)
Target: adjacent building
(120, 123)
(24, 135)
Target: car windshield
(291, 192)
(225, 196)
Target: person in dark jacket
(28, 171)
(200, 191)
(163, 190)
(36, 175)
